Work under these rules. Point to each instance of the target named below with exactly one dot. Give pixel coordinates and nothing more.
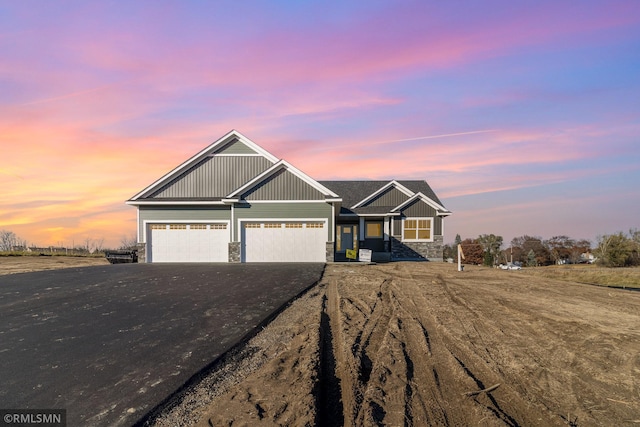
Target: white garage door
(189, 243)
(290, 241)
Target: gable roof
(442, 211)
(358, 196)
(273, 170)
(382, 190)
(224, 172)
(234, 167)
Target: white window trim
(417, 218)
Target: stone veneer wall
(431, 251)
(330, 252)
(234, 252)
(142, 252)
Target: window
(252, 225)
(158, 226)
(315, 225)
(198, 226)
(417, 229)
(272, 225)
(373, 230)
(218, 226)
(177, 226)
(293, 225)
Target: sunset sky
(524, 117)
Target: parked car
(510, 266)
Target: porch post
(387, 228)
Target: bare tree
(88, 242)
(98, 245)
(128, 242)
(8, 240)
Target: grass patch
(626, 277)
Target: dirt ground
(25, 264)
(423, 344)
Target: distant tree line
(10, 242)
(619, 249)
(614, 250)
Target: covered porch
(371, 232)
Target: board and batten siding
(235, 147)
(283, 185)
(420, 210)
(264, 211)
(215, 176)
(183, 214)
(392, 197)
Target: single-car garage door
(189, 242)
(287, 241)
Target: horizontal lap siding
(177, 213)
(264, 211)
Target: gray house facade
(236, 202)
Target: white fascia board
(202, 154)
(254, 202)
(390, 214)
(172, 202)
(442, 211)
(282, 164)
(254, 146)
(384, 188)
(306, 178)
(255, 181)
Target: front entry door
(348, 235)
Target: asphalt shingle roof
(353, 192)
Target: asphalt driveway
(109, 343)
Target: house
(236, 202)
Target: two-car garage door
(189, 242)
(284, 241)
(262, 241)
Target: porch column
(387, 233)
(387, 227)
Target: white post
(460, 257)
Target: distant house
(235, 202)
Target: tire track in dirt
(411, 344)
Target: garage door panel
(189, 243)
(290, 241)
